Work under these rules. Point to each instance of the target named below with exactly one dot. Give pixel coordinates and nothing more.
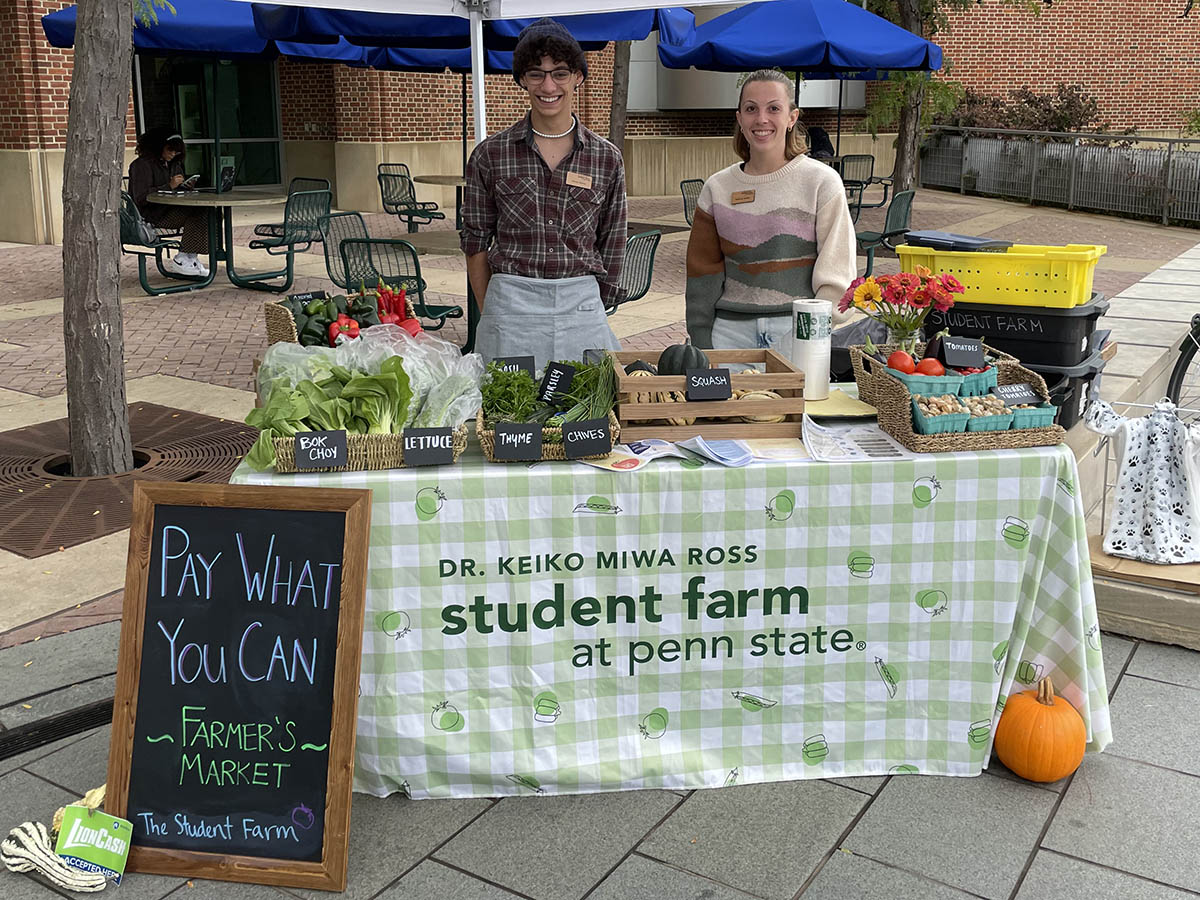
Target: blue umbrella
(314, 25)
(811, 36)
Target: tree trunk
(620, 95)
(908, 138)
(92, 330)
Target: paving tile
(972, 833)
(79, 767)
(1156, 723)
(22, 759)
(19, 886)
(1053, 875)
(433, 881)
(24, 798)
(1131, 816)
(556, 848)
(58, 661)
(1161, 662)
(224, 890)
(1000, 770)
(640, 878)
(391, 834)
(1115, 652)
(71, 697)
(868, 784)
(848, 875)
(765, 839)
(1174, 276)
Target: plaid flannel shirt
(533, 223)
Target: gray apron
(546, 318)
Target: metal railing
(1127, 175)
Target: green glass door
(233, 102)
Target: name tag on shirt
(742, 197)
(575, 179)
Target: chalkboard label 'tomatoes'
(237, 681)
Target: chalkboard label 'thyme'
(556, 381)
(709, 384)
(428, 446)
(518, 441)
(320, 449)
(589, 437)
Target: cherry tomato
(930, 367)
(902, 362)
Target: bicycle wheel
(1183, 389)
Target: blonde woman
(771, 229)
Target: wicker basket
(894, 404)
(282, 327)
(550, 449)
(363, 451)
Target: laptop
(228, 177)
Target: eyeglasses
(537, 76)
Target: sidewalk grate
(41, 511)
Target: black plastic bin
(1036, 335)
(1072, 387)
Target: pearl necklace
(563, 134)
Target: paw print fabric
(1158, 487)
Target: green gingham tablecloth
(557, 628)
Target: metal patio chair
(638, 269)
(302, 216)
(691, 193)
(399, 197)
(394, 262)
(132, 226)
(857, 169)
(275, 229)
(895, 227)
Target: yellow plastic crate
(1024, 275)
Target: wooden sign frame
(330, 873)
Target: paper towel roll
(812, 325)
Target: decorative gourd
(678, 359)
(761, 395)
(640, 365)
(676, 397)
(1040, 736)
(642, 396)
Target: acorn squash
(676, 360)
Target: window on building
(233, 101)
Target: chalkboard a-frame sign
(237, 681)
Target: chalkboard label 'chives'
(244, 675)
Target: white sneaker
(181, 266)
(201, 268)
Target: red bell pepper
(342, 326)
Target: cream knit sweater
(761, 241)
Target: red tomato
(902, 362)
(930, 367)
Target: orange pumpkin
(1040, 736)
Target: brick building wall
(37, 78)
(1137, 57)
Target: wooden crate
(638, 419)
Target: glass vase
(906, 338)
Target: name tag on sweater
(742, 197)
(575, 179)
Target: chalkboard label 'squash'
(709, 384)
(241, 642)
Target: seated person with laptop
(159, 167)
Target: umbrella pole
(464, 124)
(476, 18)
(838, 152)
(797, 73)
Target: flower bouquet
(901, 301)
